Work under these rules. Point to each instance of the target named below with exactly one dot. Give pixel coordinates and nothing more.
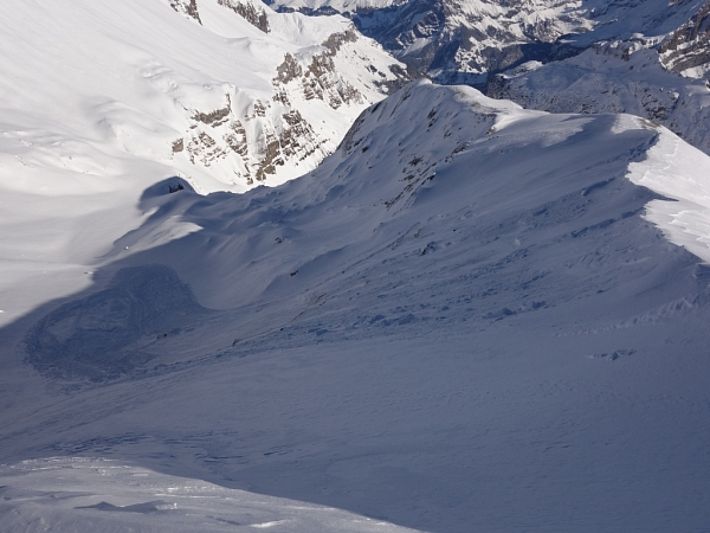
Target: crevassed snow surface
(471, 323)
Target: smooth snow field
(469, 318)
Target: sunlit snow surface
(95, 92)
(469, 318)
(98, 495)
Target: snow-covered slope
(100, 99)
(61, 495)
(474, 323)
(229, 94)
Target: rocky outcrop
(687, 49)
(249, 136)
(187, 7)
(255, 16)
(271, 134)
(216, 117)
(319, 78)
(289, 70)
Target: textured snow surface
(95, 495)
(476, 322)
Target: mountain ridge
(485, 294)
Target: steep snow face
(441, 327)
(687, 49)
(230, 94)
(101, 99)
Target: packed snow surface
(471, 317)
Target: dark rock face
(252, 138)
(688, 47)
(216, 117)
(187, 7)
(256, 17)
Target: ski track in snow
(470, 324)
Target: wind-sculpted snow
(671, 169)
(70, 500)
(469, 318)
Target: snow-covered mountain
(452, 40)
(646, 57)
(468, 39)
(614, 77)
(650, 62)
(100, 99)
(687, 49)
(487, 320)
(227, 92)
(464, 316)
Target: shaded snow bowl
(97, 336)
